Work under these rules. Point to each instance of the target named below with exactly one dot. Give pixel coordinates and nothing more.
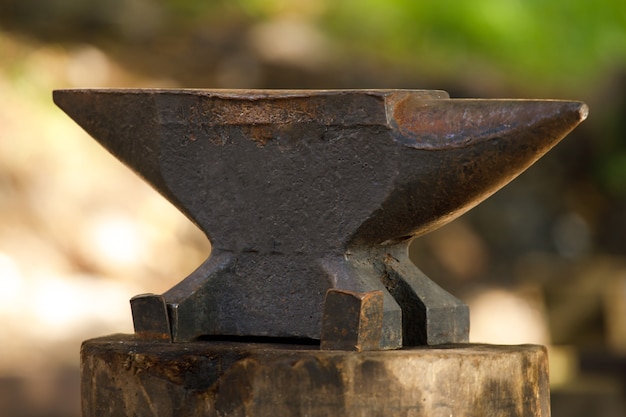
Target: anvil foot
(410, 309)
(352, 321)
(150, 316)
(416, 311)
(430, 315)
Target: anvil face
(302, 192)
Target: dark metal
(301, 192)
(150, 316)
(352, 321)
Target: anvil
(311, 198)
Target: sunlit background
(543, 261)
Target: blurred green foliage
(560, 42)
(555, 40)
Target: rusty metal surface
(301, 192)
(352, 321)
(125, 376)
(150, 316)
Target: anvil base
(124, 375)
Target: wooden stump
(123, 375)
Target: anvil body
(301, 192)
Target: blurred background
(542, 261)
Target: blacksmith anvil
(310, 200)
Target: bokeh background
(542, 261)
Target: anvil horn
(467, 150)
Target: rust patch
(260, 134)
